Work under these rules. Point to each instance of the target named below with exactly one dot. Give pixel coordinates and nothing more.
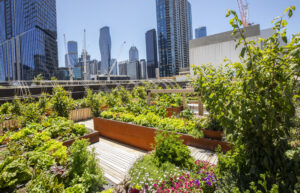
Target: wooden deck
(116, 158)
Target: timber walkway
(116, 158)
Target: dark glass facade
(72, 54)
(133, 54)
(201, 32)
(174, 30)
(105, 50)
(28, 39)
(151, 51)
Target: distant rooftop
(224, 37)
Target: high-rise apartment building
(105, 50)
(151, 52)
(72, 55)
(133, 54)
(143, 68)
(201, 32)
(123, 67)
(174, 30)
(28, 39)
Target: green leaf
(243, 52)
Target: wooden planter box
(143, 137)
(173, 110)
(213, 134)
(10, 124)
(92, 137)
(81, 114)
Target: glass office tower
(133, 54)
(151, 52)
(200, 32)
(28, 39)
(174, 30)
(72, 54)
(105, 50)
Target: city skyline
(131, 20)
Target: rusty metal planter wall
(143, 137)
(213, 134)
(92, 137)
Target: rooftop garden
(255, 103)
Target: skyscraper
(72, 54)
(28, 39)
(151, 49)
(133, 54)
(200, 32)
(105, 50)
(174, 29)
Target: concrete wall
(215, 48)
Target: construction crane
(244, 11)
(115, 63)
(68, 59)
(85, 77)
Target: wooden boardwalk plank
(116, 158)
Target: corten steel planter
(213, 134)
(81, 114)
(92, 137)
(173, 110)
(143, 137)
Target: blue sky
(130, 19)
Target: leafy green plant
(13, 172)
(107, 114)
(149, 120)
(38, 79)
(45, 182)
(84, 168)
(170, 148)
(61, 102)
(93, 101)
(258, 95)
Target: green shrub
(254, 100)
(61, 102)
(93, 101)
(170, 148)
(84, 168)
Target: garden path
(116, 158)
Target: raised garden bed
(143, 137)
(81, 114)
(173, 110)
(92, 137)
(213, 134)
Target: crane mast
(115, 63)
(244, 11)
(84, 57)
